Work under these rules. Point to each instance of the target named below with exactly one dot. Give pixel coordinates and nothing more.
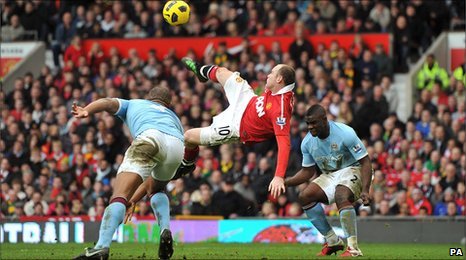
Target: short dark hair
(288, 74)
(160, 94)
(316, 110)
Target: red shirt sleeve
(281, 128)
(284, 148)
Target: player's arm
(277, 185)
(281, 128)
(284, 148)
(110, 105)
(366, 174)
(140, 192)
(305, 174)
(359, 152)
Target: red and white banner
(456, 46)
(12, 54)
(180, 46)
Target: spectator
(450, 179)
(384, 63)
(63, 35)
(366, 68)
(431, 72)
(143, 209)
(243, 187)
(204, 205)
(402, 42)
(460, 73)
(73, 52)
(14, 31)
(30, 20)
(418, 201)
(227, 202)
(441, 209)
(380, 14)
(260, 178)
(268, 210)
(300, 45)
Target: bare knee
(192, 137)
(304, 199)
(344, 197)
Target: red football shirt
(267, 116)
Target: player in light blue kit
(346, 177)
(156, 152)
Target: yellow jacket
(426, 77)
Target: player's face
(272, 77)
(316, 125)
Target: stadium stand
(54, 165)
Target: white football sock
(353, 242)
(331, 238)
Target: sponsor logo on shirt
(260, 106)
(357, 148)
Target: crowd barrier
(248, 230)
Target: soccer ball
(176, 12)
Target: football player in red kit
(248, 119)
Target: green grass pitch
(226, 251)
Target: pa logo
(456, 252)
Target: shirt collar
(285, 89)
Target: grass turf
(225, 251)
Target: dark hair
(288, 74)
(160, 94)
(316, 110)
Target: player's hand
(277, 186)
(78, 112)
(129, 212)
(366, 200)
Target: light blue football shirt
(141, 115)
(342, 148)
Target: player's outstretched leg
(201, 74)
(206, 72)
(160, 205)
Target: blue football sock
(161, 207)
(113, 216)
(317, 217)
(348, 224)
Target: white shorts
(225, 126)
(349, 177)
(143, 158)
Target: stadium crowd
(54, 165)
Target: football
(176, 12)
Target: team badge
(281, 121)
(268, 106)
(239, 79)
(334, 146)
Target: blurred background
(393, 70)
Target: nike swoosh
(93, 253)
